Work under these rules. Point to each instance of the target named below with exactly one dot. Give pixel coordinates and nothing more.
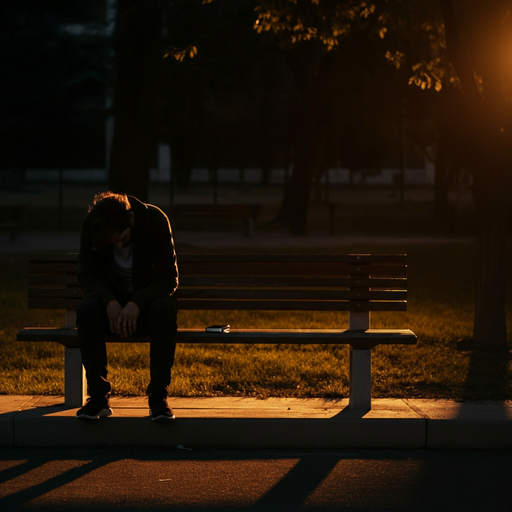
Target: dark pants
(158, 319)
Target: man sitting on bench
(128, 273)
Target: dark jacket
(154, 272)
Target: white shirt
(124, 262)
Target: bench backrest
(355, 283)
(11, 212)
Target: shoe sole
(162, 417)
(102, 414)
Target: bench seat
(68, 337)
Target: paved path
(255, 480)
(39, 421)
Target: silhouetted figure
(128, 272)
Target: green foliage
(414, 31)
(311, 20)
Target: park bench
(247, 212)
(358, 284)
(11, 218)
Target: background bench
(358, 284)
(248, 213)
(11, 218)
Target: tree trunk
(493, 186)
(182, 158)
(295, 205)
(490, 331)
(318, 91)
(489, 147)
(137, 58)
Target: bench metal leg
(360, 376)
(75, 386)
(360, 396)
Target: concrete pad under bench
(483, 424)
(226, 422)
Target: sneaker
(96, 407)
(159, 409)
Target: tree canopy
(462, 46)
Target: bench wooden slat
(52, 268)
(55, 293)
(68, 257)
(52, 279)
(292, 282)
(299, 305)
(41, 272)
(243, 282)
(295, 258)
(291, 268)
(233, 294)
(358, 339)
(248, 258)
(284, 295)
(53, 303)
(243, 305)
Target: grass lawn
(441, 301)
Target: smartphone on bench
(217, 328)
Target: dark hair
(109, 213)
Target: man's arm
(160, 250)
(92, 274)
